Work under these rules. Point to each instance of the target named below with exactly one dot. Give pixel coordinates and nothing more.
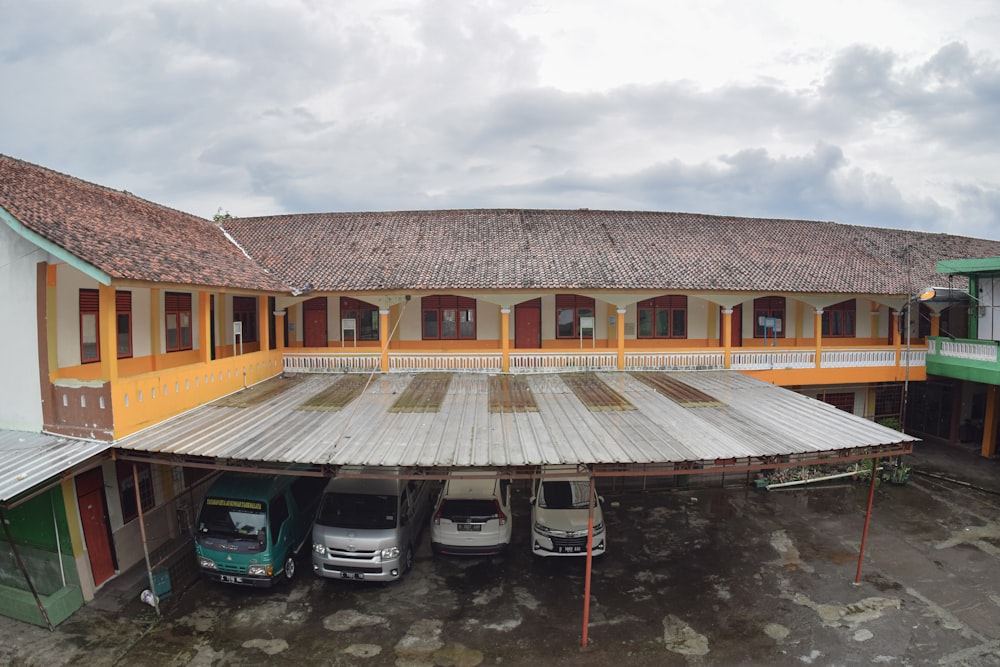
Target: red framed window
(126, 489)
(769, 309)
(90, 330)
(840, 400)
(839, 319)
(365, 314)
(245, 312)
(123, 323)
(177, 318)
(448, 318)
(663, 317)
(569, 309)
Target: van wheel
(289, 567)
(407, 559)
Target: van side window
(279, 512)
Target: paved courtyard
(735, 576)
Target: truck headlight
(206, 563)
(319, 548)
(390, 553)
(259, 570)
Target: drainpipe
(145, 544)
(24, 571)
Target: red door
(736, 338)
(314, 316)
(528, 324)
(90, 496)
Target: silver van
(369, 528)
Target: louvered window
(448, 318)
(90, 341)
(123, 323)
(245, 311)
(769, 317)
(177, 316)
(365, 314)
(663, 317)
(839, 319)
(569, 309)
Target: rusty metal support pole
(590, 561)
(145, 544)
(868, 518)
(24, 571)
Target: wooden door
(528, 324)
(93, 516)
(314, 316)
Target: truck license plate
(230, 579)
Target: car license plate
(475, 527)
(352, 575)
(230, 579)
(570, 550)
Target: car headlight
(390, 553)
(542, 528)
(207, 563)
(259, 570)
(319, 548)
(598, 528)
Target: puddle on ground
(851, 614)
(679, 637)
(268, 646)
(348, 619)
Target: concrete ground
(702, 577)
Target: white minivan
(472, 515)
(560, 507)
(368, 529)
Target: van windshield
(232, 518)
(565, 495)
(357, 510)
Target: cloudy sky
(864, 112)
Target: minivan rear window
(565, 495)
(468, 509)
(357, 510)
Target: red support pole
(868, 518)
(590, 561)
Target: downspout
(590, 561)
(145, 544)
(24, 571)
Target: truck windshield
(357, 510)
(232, 519)
(565, 495)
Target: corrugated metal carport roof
(755, 420)
(29, 459)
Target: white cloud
(874, 112)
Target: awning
(30, 459)
(456, 420)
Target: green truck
(251, 527)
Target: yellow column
(383, 337)
(52, 315)
(897, 339)
(279, 329)
(727, 336)
(818, 332)
(263, 320)
(505, 340)
(154, 326)
(874, 315)
(620, 324)
(935, 324)
(108, 332)
(990, 421)
(204, 328)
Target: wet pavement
(735, 576)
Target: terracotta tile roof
(590, 249)
(123, 235)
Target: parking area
(736, 576)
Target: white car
(560, 508)
(472, 516)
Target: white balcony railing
(765, 360)
(969, 349)
(547, 362)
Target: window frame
(90, 312)
(671, 305)
(436, 310)
(178, 305)
(366, 317)
(769, 306)
(843, 317)
(245, 312)
(576, 304)
(126, 489)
